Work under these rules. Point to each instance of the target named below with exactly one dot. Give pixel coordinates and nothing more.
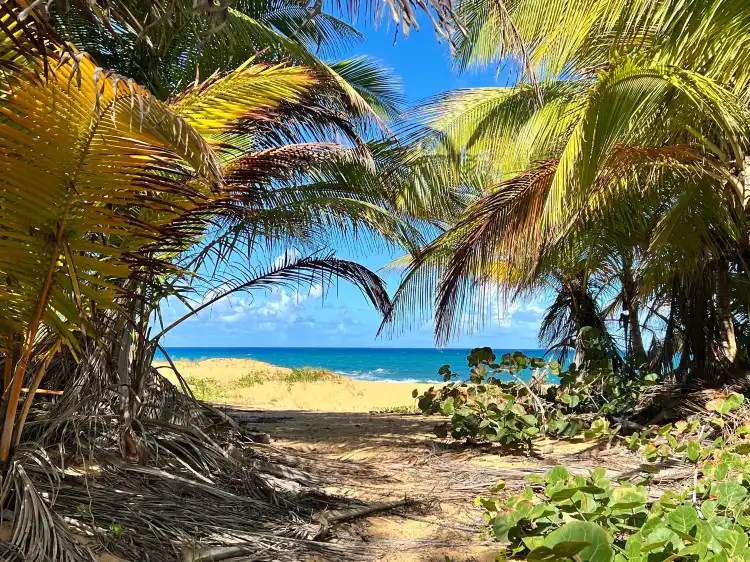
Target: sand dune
(250, 383)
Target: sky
(341, 317)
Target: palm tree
(290, 178)
(620, 106)
(112, 199)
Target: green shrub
(250, 379)
(398, 410)
(484, 406)
(488, 408)
(206, 389)
(589, 518)
(307, 374)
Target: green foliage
(485, 407)
(250, 379)
(206, 389)
(696, 439)
(562, 516)
(595, 386)
(399, 410)
(307, 374)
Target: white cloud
(316, 291)
(234, 317)
(288, 255)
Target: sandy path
(328, 428)
(386, 457)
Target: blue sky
(341, 317)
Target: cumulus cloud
(288, 255)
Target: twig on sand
(327, 518)
(218, 553)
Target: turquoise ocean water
(371, 364)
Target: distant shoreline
(410, 365)
(256, 384)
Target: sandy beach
(254, 384)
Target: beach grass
(302, 374)
(206, 388)
(310, 374)
(254, 384)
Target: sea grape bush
(561, 516)
(488, 407)
(595, 386)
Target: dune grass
(211, 389)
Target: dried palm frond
(199, 485)
(39, 533)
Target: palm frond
(292, 271)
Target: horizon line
(326, 347)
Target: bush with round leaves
(562, 516)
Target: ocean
(371, 364)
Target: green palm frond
(250, 92)
(375, 84)
(643, 97)
(506, 123)
(107, 122)
(317, 269)
(319, 32)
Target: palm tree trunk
(637, 350)
(12, 394)
(728, 343)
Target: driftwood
(218, 553)
(328, 518)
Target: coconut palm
(112, 199)
(293, 181)
(637, 103)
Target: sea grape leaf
(542, 510)
(708, 509)
(720, 471)
(593, 490)
(725, 404)
(542, 554)
(441, 430)
(557, 474)
(734, 542)
(661, 537)
(693, 451)
(598, 543)
(565, 494)
(683, 519)
(532, 542)
(732, 402)
(500, 486)
(627, 498)
(730, 494)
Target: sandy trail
(328, 429)
(377, 457)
